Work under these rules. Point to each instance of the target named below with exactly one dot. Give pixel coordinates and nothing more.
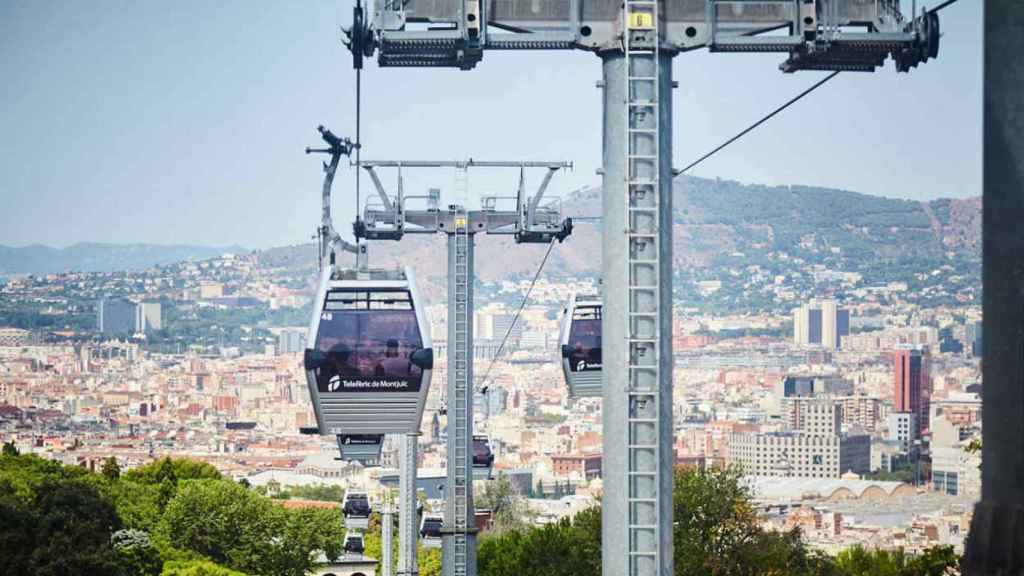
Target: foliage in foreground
(716, 533)
(181, 518)
(171, 517)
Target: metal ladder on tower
(641, 50)
(458, 425)
(387, 531)
(461, 187)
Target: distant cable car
(368, 359)
(430, 530)
(581, 345)
(362, 448)
(483, 457)
(356, 508)
(354, 542)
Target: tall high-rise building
(291, 340)
(121, 316)
(973, 337)
(148, 317)
(116, 316)
(912, 385)
(820, 323)
(494, 326)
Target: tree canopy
(173, 517)
(177, 517)
(716, 533)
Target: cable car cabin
(356, 508)
(483, 458)
(362, 448)
(356, 504)
(368, 359)
(430, 530)
(353, 542)
(581, 346)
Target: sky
(185, 122)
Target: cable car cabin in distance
(483, 458)
(581, 345)
(430, 530)
(368, 359)
(356, 508)
(353, 542)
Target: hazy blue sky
(185, 121)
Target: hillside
(719, 222)
(95, 257)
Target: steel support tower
(996, 542)
(636, 40)
(408, 527)
(387, 529)
(637, 291)
(459, 536)
(530, 222)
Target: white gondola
(354, 542)
(430, 530)
(356, 508)
(368, 359)
(483, 458)
(581, 345)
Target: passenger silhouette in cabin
(392, 365)
(587, 345)
(339, 367)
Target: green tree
(71, 532)
(10, 449)
(219, 520)
(713, 520)
(716, 533)
(111, 470)
(429, 561)
(27, 473)
(569, 547)
(17, 531)
(174, 469)
(166, 472)
(858, 561)
(316, 529)
(934, 561)
(508, 510)
(717, 530)
(138, 505)
(136, 553)
(197, 568)
(222, 521)
(323, 493)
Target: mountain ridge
(714, 220)
(718, 222)
(102, 256)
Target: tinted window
(585, 340)
(368, 344)
(432, 527)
